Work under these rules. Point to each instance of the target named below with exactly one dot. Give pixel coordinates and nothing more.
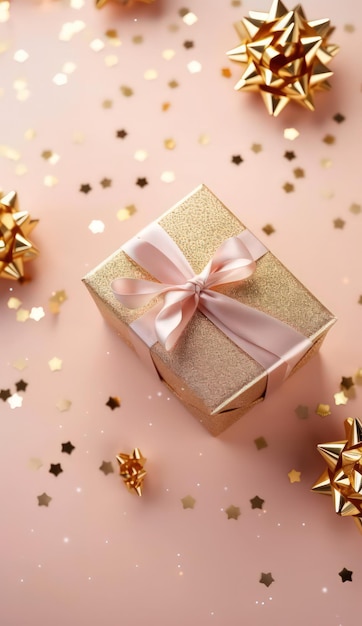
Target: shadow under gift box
(215, 379)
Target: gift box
(213, 312)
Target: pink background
(98, 554)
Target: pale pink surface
(97, 554)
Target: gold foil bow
(286, 56)
(15, 247)
(131, 469)
(342, 478)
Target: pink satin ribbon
(274, 344)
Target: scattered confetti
(131, 469)
(288, 187)
(298, 172)
(14, 303)
(340, 398)
(302, 412)
(44, 499)
(50, 181)
(188, 17)
(121, 134)
(15, 401)
(347, 382)
(339, 118)
(167, 177)
(56, 300)
(339, 223)
(106, 468)
(67, 447)
(37, 313)
(233, 512)
(170, 144)
(105, 183)
(194, 67)
(188, 502)
(20, 364)
(22, 315)
(256, 502)
(355, 208)
(113, 402)
(21, 385)
(291, 133)
(346, 575)
(96, 227)
(35, 463)
(268, 229)
(329, 139)
(63, 405)
(323, 410)
(141, 182)
(260, 443)
(188, 44)
(294, 476)
(256, 148)
(55, 469)
(126, 91)
(5, 394)
(226, 72)
(85, 188)
(126, 213)
(237, 159)
(266, 579)
(55, 364)
(289, 155)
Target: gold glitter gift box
(216, 379)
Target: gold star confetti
(173, 84)
(291, 134)
(96, 227)
(340, 398)
(347, 382)
(167, 177)
(256, 502)
(298, 172)
(289, 155)
(256, 148)
(232, 512)
(85, 188)
(44, 499)
(288, 187)
(21, 385)
(15, 401)
(63, 405)
(326, 163)
(188, 17)
(302, 412)
(20, 364)
(323, 410)
(106, 182)
(342, 478)
(55, 364)
(5, 394)
(226, 72)
(358, 376)
(260, 443)
(56, 300)
(294, 476)
(131, 468)
(55, 469)
(141, 182)
(188, 502)
(166, 106)
(268, 229)
(14, 303)
(126, 91)
(113, 402)
(204, 139)
(266, 579)
(329, 139)
(106, 468)
(339, 223)
(237, 159)
(22, 315)
(15, 246)
(50, 181)
(286, 56)
(37, 313)
(126, 213)
(107, 104)
(346, 575)
(339, 118)
(355, 208)
(67, 447)
(170, 144)
(34, 463)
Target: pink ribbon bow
(263, 337)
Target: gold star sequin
(256, 502)
(126, 213)
(14, 303)
(323, 410)
(347, 382)
(268, 229)
(256, 148)
(188, 502)
(298, 172)
(294, 476)
(106, 182)
(225, 72)
(266, 579)
(55, 364)
(329, 139)
(340, 398)
(44, 499)
(113, 402)
(56, 300)
(232, 512)
(169, 144)
(288, 187)
(106, 468)
(126, 91)
(260, 443)
(339, 223)
(63, 405)
(131, 469)
(355, 208)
